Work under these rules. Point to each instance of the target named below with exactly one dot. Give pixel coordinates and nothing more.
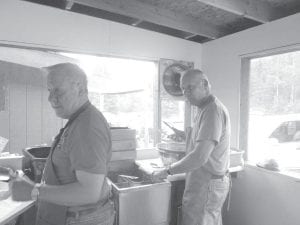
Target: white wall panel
(17, 109)
(48, 27)
(29, 119)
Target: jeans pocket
(217, 193)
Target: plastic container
(34, 161)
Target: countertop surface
(151, 165)
(10, 209)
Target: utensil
(156, 166)
(179, 134)
(129, 177)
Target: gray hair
(70, 72)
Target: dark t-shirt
(85, 145)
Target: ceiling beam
(252, 9)
(153, 14)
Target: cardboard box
(122, 134)
(123, 145)
(122, 155)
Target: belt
(213, 176)
(83, 212)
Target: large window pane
(123, 90)
(274, 109)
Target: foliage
(275, 84)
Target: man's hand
(35, 191)
(21, 188)
(159, 174)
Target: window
(126, 92)
(172, 113)
(274, 109)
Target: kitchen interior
(134, 53)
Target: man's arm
(194, 159)
(86, 190)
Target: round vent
(171, 79)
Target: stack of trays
(123, 143)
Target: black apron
(50, 213)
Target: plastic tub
(34, 162)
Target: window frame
(245, 87)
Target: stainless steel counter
(139, 200)
(150, 165)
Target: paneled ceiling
(195, 20)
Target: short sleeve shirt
(212, 123)
(85, 145)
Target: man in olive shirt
(207, 156)
(74, 188)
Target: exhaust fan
(171, 78)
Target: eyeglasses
(189, 88)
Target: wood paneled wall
(28, 118)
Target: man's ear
(79, 87)
(204, 83)
(81, 90)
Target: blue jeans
(205, 207)
(102, 216)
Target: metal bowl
(170, 156)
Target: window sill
(285, 174)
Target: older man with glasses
(206, 161)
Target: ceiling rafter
(153, 14)
(252, 9)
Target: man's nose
(51, 97)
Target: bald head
(196, 76)
(195, 86)
(68, 73)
